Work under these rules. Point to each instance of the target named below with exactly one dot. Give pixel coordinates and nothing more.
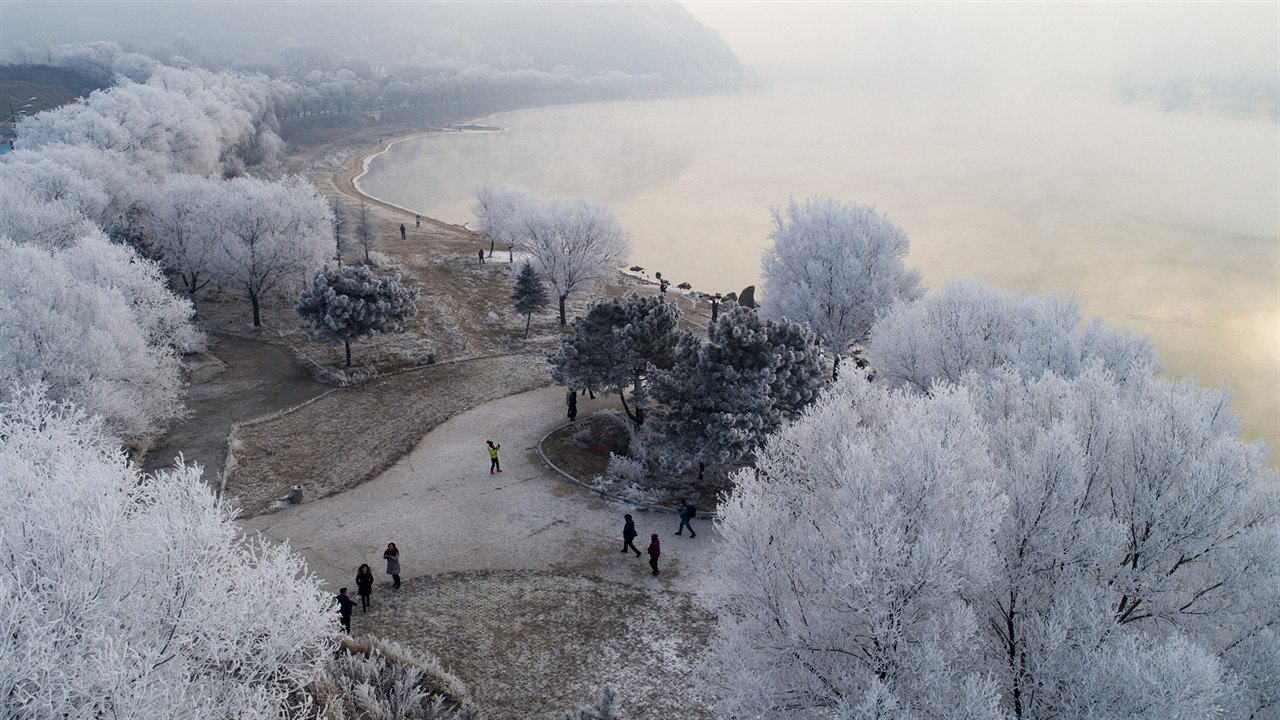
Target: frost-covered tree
(617, 345)
(365, 231)
(1132, 569)
(499, 211)
(969, 326)
(50, 223)
(186, 226)
(132, 596)
(184, 120)
(270, 233)
(576, 242)
(853, 559)
(349, 303)
(835, 266)
(530, 295)
(1141, 540)
(94, 324)
(722, 396)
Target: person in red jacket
(655, 550)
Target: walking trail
(447, 513)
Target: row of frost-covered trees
(109, 202)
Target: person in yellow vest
(493, 457)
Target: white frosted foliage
(132, 596)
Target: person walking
(655, 551)
(493, 457)
(364, 585)
(687, 513)
(417, 221)
(629, 536)
(345, 606)
(402, 231)
(572, 400)
(481, 256)
(392, 556)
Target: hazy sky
(1083, 45)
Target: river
(1165, 224)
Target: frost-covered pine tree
(134, 596)
(349, 304)
(724, 395)
(616, 346)
(529, 295)
(835, 266)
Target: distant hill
(592, 38)
(29, 89)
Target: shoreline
(346, 179)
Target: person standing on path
(687, 513)
(392, 556)
(572, 400)
(417, 221)
(655, 550)
(401, 231)
(364, 585)
(629, 536)
(481, 256)
(493, 454)
(345, 606)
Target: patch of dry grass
(535, 645)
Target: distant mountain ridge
(586, 38)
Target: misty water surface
(1165, 224)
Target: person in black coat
(364, 585)
(629, 536)
(345, 606)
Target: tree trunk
(253, 300)
(347, 344)
(562, 299)
(835, 369)
(528, 318)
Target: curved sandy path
(446, 513)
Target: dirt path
(244, 379)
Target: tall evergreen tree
(530, 295)
(350, 303)
(617, 345)
(723, 396)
